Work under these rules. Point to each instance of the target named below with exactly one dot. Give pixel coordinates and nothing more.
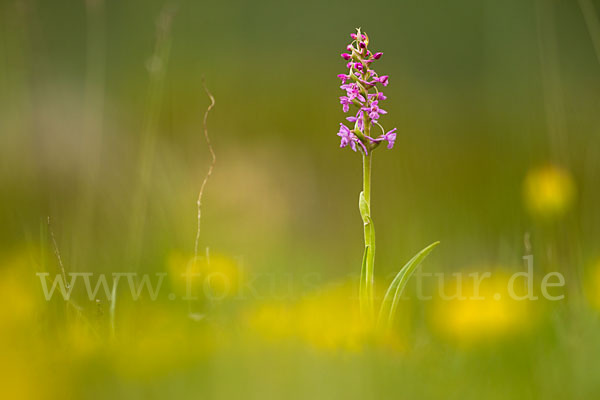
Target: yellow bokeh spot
(159, 340)
(25, 348)
(215, 275)
(484, 312)
(549, 191)
(328, 319)
(18, 379)
(82, 339)
(17, 293)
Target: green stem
(366, 287)
(367, 177)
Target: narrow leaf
(363, 288)
(394, 292)
(363, 206)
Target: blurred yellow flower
(549, 191)
(21, 303)
(215, 275)
(27, 348)
(592, 285)
(159, 339)
(81, 339)
(484, 312)
(19, 380)
(18, 299)
(328, 319)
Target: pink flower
(345, 102)
(382, 79)
(358, 119)
(353, 91)
(343, 77)
(390, 137)
(347, 137)
(374, 110)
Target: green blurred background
(498, 156)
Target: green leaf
(363, 206)
(392, 296)
(363, 288)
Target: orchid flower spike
(363, 96)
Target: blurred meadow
(102, 156)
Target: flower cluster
(362, 93)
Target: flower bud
(346, 56)
(377, 56)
